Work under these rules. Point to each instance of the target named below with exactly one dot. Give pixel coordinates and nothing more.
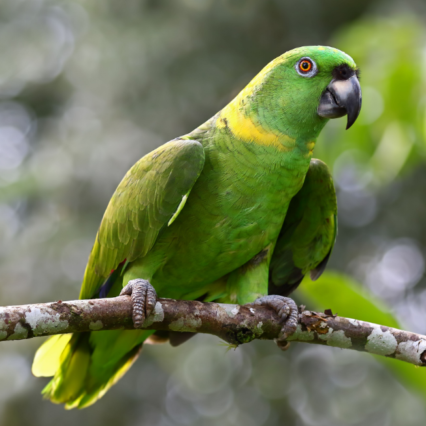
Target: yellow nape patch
(252, 129)
(245, 129)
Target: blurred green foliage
(87, 88)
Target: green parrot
(231, 212)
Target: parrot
(236, 211)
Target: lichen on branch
(233, 323)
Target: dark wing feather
(308, 233)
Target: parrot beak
(341, 97)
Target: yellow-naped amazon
(231, 212)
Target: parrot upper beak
(341, 97)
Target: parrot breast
(235, 210)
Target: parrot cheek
(341, 97)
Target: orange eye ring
(305, 66)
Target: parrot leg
(144, 298)
(287, 310)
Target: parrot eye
(306, 67)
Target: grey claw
(144, 298)
(287, 310)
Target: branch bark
(233, 323)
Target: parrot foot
(287, 310)
(144, 298)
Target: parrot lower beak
(341, 97)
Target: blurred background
(87, 88)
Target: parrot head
(326, 81)
(342, 96)
(303, 88)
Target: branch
(232, 323)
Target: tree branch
(232, 323)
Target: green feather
(145, 200)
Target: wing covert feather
(144, 201)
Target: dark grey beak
(341, 97)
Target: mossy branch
(232, 323)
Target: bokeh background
(87, 88)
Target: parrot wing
(308, 233)
(150, 196)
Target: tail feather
(69, 378)
(84, 366)
(47, 358)
(96, 388)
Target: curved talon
(286, 309)
(144, 298)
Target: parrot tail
(85, 365)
